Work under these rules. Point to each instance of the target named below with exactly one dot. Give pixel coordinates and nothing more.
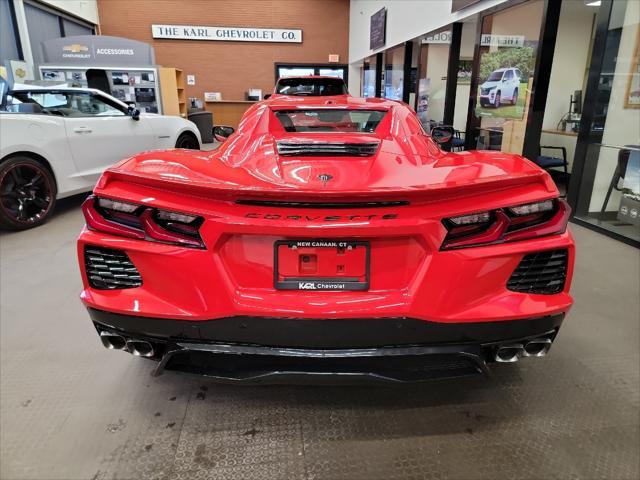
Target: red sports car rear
(328, 236)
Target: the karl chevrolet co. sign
(228, 34)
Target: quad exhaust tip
(537, 348)
(512, 352)
(509, 353)
(113, 341)
(140, 348)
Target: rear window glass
(312, 87)
(330, 120)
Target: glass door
(394, 73)
(369, 68)
(608, 190)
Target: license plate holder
(321, 265)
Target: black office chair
(618, 174)
(457, 142)
(548, 162)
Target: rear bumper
(274, 350)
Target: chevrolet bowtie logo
(75, 48)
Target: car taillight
(509, 224)
(142, 222)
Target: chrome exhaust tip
(140, 348)
(509, 353)
(537, 347)
(113, 341)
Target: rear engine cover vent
(542, 272)
(109, 269)
(293, 204)
(326, 149)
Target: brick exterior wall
(232, 67)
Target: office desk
(228, 112)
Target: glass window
(71, 28)
(609, 193)
(332, 72)
(8, 36)
(330, 120)
(63, 104)
(508, 51)
(369, 77)
(295, 72)
(394, 73)
(42, 26)
(311, 86)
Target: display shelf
(173, 93)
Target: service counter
(228, 112)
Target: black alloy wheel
(514, 99)
(187, 141)
(497, 101)
(27, 193)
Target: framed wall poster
(632, 97)
(504, 76)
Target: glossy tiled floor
(72, 410)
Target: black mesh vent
(327, 149)
(542, 272)
(109, 269)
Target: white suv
(501, 87)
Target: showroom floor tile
(72, 410)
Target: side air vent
(542, 272)
(109, 269)
(329, 205)
(302, 149)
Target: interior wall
(233, 67)
(84, 9)
(569, 61)
(437, 64)
(623, 124)
(406, 19)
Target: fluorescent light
(597, 3)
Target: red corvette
(328, 236)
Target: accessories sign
(228, 34)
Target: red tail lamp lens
(510, 224)
(142, 222)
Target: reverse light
(142, 222)
(530, 208)
(483, 217)
(117, 206)
(510, 224)
(176, 217)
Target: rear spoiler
(217, 190)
